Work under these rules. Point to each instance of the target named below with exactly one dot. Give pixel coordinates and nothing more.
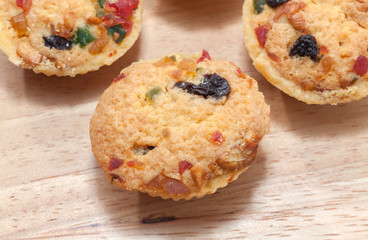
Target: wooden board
(309, 182)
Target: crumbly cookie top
(163, 127)
(319, 45)
(65, 35)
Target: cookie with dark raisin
(66, 38)
(178, 127)
(315, 51)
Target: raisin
(213, 85)
(305, 46)
(57, 42)
(275, 3)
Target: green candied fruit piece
(119, 30)
(83, 37)
(150, 95)
(259, 5)
(101, 2)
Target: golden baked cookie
(68, 37)
(315, 51)
(178, 127)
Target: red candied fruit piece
(205, 55)
(173, 186)
(361, 65)
(261, 33)
(25, 4)
(20, 3)
(240, 73)
(121, 76)
(217, 138)
(324, 49)
(130, 164)
(184, 165)
(115, 163)
(127, 25)
(111, 21)
(124, 8)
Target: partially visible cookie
(68, 37)
(178, 127)
(315, 51)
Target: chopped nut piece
(58, 63)
(94, 20)
(19, 24)
(289, 9)
(242, 156)
(197, 173)
(62, 30)
(28, 53)
(154, 183)
(69, 20)
(98, 45)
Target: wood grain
(309, 182)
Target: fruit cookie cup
(178, 127)
(66, 38)
(313, 51)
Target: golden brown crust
(51, 16)
(339, 28)
(177, 145)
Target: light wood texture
(310, 180)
